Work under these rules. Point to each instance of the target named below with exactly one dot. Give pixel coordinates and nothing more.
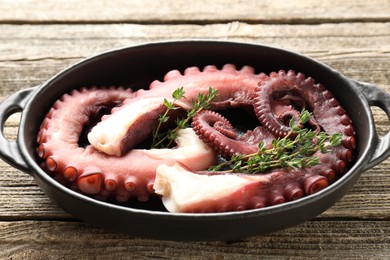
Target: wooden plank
(179, 11)
(337, 41)
(313, 239)
(364, 45)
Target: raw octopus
(92, 172)
(113, 165)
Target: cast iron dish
(136, 67)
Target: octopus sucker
(210, 68)
(111, 181)
(41, 151)
(191, 70)
(171, 75)
(70, 173)
(315, 183)
(51, 164)
(90, 183)
(131, 183)
(102, 149)
(277, 198)
(293, 191)
(258, 202)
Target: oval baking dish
(136, 67)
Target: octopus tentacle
(129, 124)
(225, 128)
(234, 86)
(326, 109)
(328, 115)
(89, 171)
(233, 192)
(225, 140)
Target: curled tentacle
(89, 171)
(225, 141)
(327, 114)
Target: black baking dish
(136, 67)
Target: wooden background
(40, 38)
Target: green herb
(294, 150)
(165, 139)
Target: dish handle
(380, 98)
(9, 150)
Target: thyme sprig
(294, 150)
(165, 139)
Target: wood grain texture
(40, 38)
(70, 240)
(338, 41)
(174, 11)
(30, 54)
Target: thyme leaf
(294, 150)
(165, 139)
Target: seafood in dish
(116, 163)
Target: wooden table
(40, 38)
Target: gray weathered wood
(174, 11)
(342, 239)
(40, 38)
(336, 41)
(352, 48)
